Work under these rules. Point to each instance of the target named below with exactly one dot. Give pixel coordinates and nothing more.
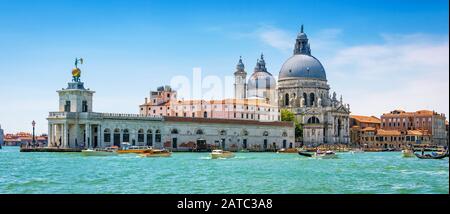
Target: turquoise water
(197, 173)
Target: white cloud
(276, 38)
(410, 72)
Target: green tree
(289, 116)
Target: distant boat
(306, 154)
(100, 152)
(156, 153)
(325, 155)
(319, 154)
(221, 154)
(408, 153)
(433, 156)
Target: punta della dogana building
(76, 125)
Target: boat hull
(155, 155)
(97, 153)
(133, 151)
(325, 156)
(408, 154)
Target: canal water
(196, 173)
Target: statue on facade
(302, 102)
(319, 102)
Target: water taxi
(156, 153)
(221, 154)
(408, 153)
(134, 150)
(290, 150)
(110, 151)
(325, 155)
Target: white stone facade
(73, 127)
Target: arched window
(223, 132)
(126, 136)
(284, 134)
(141, 135)
(199, 132)
(158, 136)
(311, 99)
(174, 131)
(149, 137)
(265, 133)
(286, 99)
(107, 135)
(205, 114)
(313, 120)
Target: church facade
(303, 89)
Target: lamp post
(34, 139)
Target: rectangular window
(67, 106)
(85, 106)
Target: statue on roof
(76, 72)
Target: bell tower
(240, 85)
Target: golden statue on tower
(76, 72)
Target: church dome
(302, 64)
(261, 78)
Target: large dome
(302, 66)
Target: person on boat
(423, 151)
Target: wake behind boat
(221, 154)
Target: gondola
(429, 156)
(305, 154)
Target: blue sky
(380, 55)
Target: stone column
(100, 136)
(49, 135)
(65, 140)
(88, 135)
(77, 134)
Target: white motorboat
(99, 152)
(221, 154)
(408, 153)
(325, 155)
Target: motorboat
(290, 150)
(221, 154)
(408, 153)
(325, 155)
(110, 151)
(134, 149)
(156, 153)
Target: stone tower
(240, 85)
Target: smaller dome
(261, 80)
